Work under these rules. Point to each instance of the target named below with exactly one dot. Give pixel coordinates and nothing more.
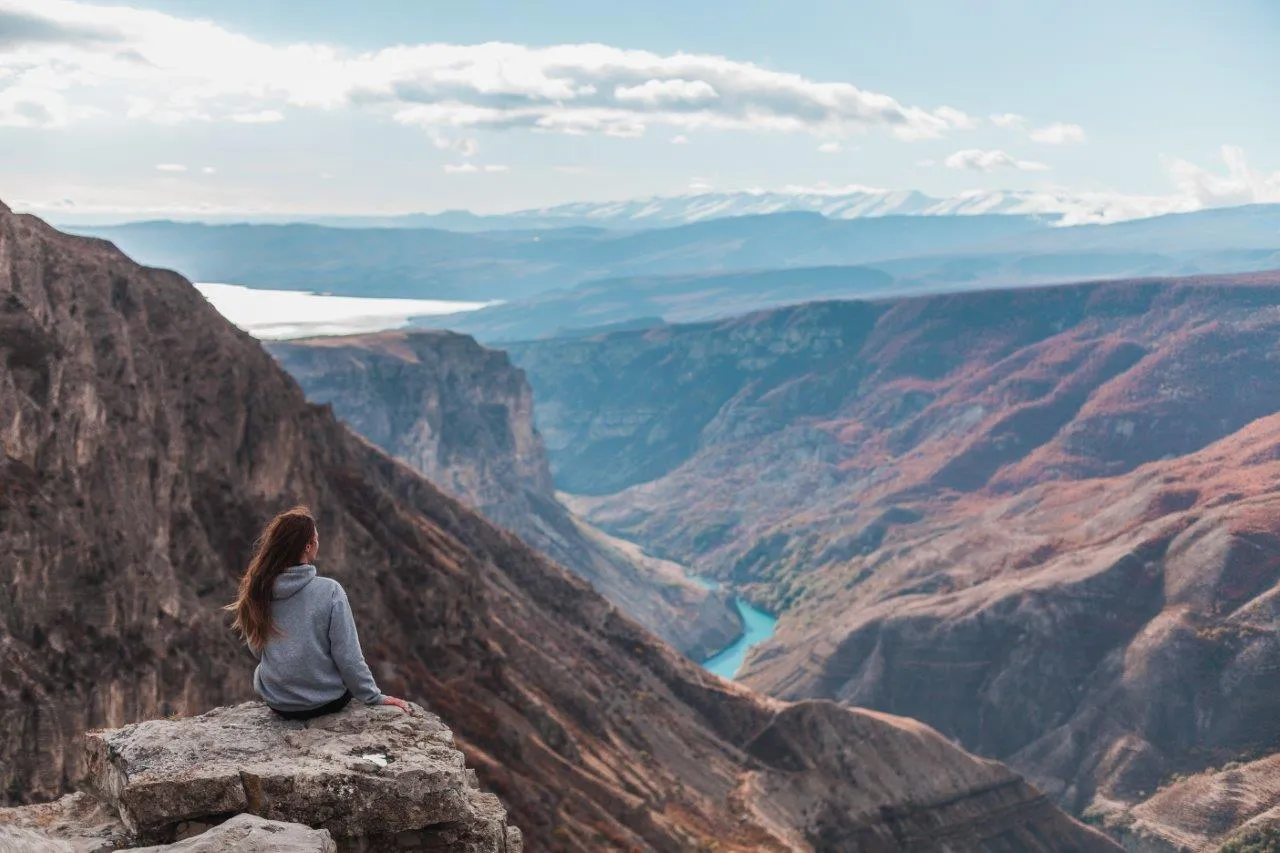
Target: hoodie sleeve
(344, 645)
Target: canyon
(463, 416)
(1040, 520)
(145, 440)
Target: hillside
(433, 264)
(1040, 520)
(145, 440)
(463, 416)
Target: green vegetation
(1256, 841)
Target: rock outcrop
(1042, 521)
(363, 779)
(463, 415)
(145, 440)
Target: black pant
(334, 706)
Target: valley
(127, 508)
(1040, 520)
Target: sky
(210, 107)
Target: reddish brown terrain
(463, 416)
(1043, 521)
(145, 440)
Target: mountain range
(145, 440)
(1042, 520)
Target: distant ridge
(854, 202)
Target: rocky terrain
(463, 415)
(1043, 521)
(364, 779)
(145, 440)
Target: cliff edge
(243, 779)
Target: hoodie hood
(291, 581)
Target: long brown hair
(281, 546)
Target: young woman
(300, 627)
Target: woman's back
(300, 626)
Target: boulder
(244, 779)
(76, 823)
(247, 833)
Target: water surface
(758, 628)
(283, 314)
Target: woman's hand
(399, 703)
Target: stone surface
(463, 415)
(246, 833)
(76, 823)
(145, 441)
(362, 771)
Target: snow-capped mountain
(1066, 208)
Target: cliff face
(145, 440)
(462, 415)
(1041, 521)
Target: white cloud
(571, 170)
(977, 160)
(829, 148)
(208, 170)
(957, 119)
(258, 117)
(680, 139)
(1240, 185)
(1058, 133)
(1009, 121)
(926, 163)
(171, 167)
(472, 168)
(655, 92)
(159, 67)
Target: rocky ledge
(242, 779)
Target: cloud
(1240, 185)
(1009, 121)
(977, 160)
(655, 92)
(156, 66)
(926, 163)
(1058, 134)
(571, 170)
(680, 139)
(171, 167)
(209, 170)
(472, 168)
(258, 117)
(19, 29)
(829, 148)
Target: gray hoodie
(315, 654)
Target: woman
(300, 627)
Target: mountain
(1041, 520)
(435, 264)
(146, 440)
(646, 301)
(463, 416)
(844, 203)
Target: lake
(284, 314)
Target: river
(758, 626)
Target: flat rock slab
(77, 823)
(250, 834)
(363, 771)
